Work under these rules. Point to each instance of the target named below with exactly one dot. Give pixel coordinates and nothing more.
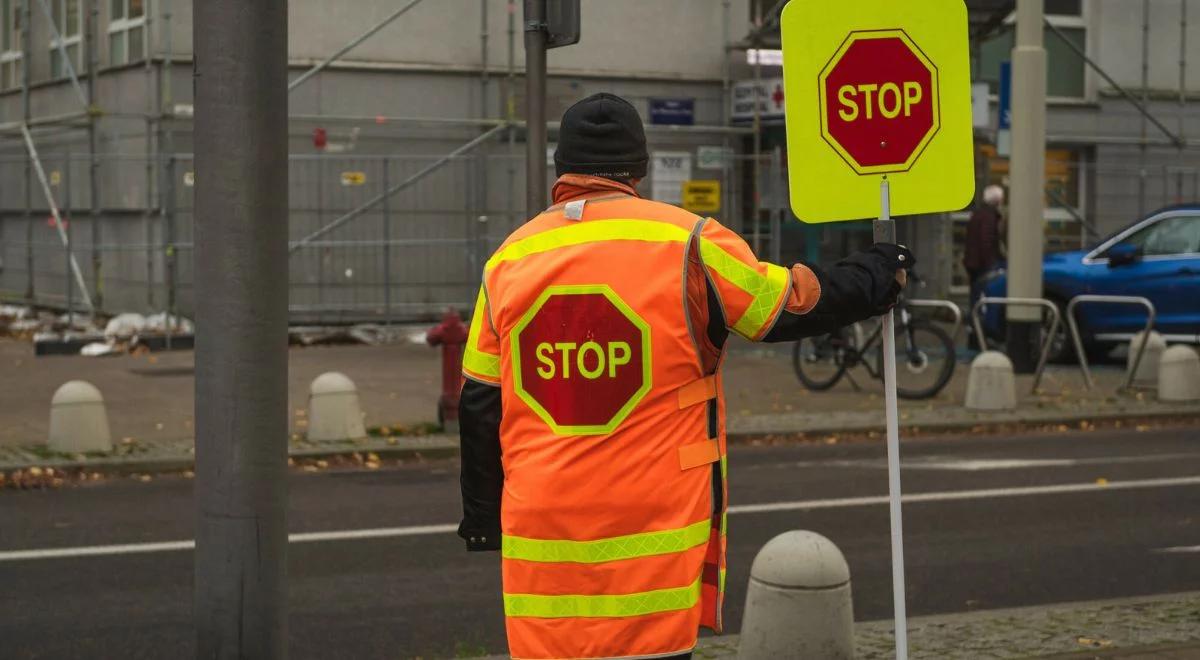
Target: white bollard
(798, 604)
(333, 409)
(78, 420)
(1179, 374)
(991, 384)
(1147, 373)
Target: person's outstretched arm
(766, 302)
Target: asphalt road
(972, 542)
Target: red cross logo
(777, 97)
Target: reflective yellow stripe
(635, 604)
(767, 290)
(610, 549)
(580, 233)
(475, 361)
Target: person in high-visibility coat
(592, 418)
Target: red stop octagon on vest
(581, 359)
(879, 101)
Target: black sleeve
(856, 288)
(482, 476)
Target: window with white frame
(126, 31)
(1066, 72)
(68, 21)
(10, 44)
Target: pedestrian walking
(984, 248)
(592, 418)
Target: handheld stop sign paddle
(878, 109)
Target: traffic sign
(702, 196)
(877, 88)
(581, 359)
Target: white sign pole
(885, 232)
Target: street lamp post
(1026, 235)
(241, 321)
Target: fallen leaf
(1101, 481)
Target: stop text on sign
(591, 360)
(901, 101)
(581, 359)
(879, 101)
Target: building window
(10, 44)
(127, 31)
(68, 20)
(1065, 71)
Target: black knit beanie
(602, 135)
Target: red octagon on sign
(879, 101)
(581, 359)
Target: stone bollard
(78, 420)
(333, 410)
(1179, 374)
(798, 604)
(991, 384)
(1147, 373)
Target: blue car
(1157, 258)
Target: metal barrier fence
(407, 257)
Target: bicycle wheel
(819, 361)
(925, 363)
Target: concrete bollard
(1179, 374)
(78, 420)
(798, 604)
(1147, 373)
(333, 409)
(991, 384)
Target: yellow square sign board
(877, 88)
(702, 196)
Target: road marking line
(982, 464)
(801, 505)
(1179, 549)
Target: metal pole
(171, 253)
(1145, 98)
(70, 257)
(151, 112)
(354, 43)
(755, 220)
(726, 115)
(510, 112)
(1182, 90)
(241, 317)
(26, 114)
(387, 245)
(885, 232)
(777, 205)
(90, 36)
(535, 106)
(1025, 227)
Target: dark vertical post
(90, 35)
(26, 113)
(535, 106)
(67, 220)
(387, 242)
(241, 315)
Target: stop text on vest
(590, 360)
(889, 99)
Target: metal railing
(1151, 317)
(955, 311)
(1026, 302)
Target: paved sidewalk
(1133, 628)
(150, 403)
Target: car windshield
(1168, 236)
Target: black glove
(881, 261)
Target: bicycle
(925, 355)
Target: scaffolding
(477, 152)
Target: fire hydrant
(451, 335)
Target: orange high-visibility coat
(613, 433)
